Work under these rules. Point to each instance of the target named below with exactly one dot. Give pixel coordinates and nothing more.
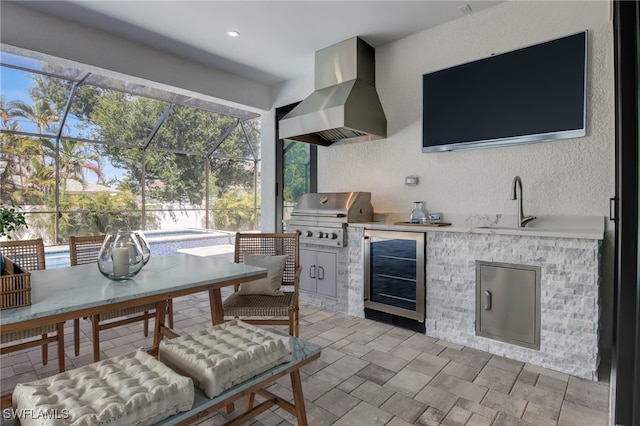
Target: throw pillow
(269, 286)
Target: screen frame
(520, 139)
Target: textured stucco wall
(567, 177)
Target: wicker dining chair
(83, 250)
(29, 255)
(268, 309)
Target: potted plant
(10, 220)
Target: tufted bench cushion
(130, 389)
(220, 357)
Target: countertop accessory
(121, 257)
(144, 245)
(418, 215)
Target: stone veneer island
(570, 262)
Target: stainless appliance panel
(508, 303)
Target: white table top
(63, 290)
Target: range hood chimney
(345, 105)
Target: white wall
(566, 177)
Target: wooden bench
(204, 407)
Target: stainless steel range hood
(345, 105)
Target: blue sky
(14, 85)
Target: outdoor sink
(514, 228)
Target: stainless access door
(508, 303)
(394, 264)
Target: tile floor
(374, 374)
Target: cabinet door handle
(487, 300)
(366, 253)
(320, 273)
(312, 272)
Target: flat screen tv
(533, 94)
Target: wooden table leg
(60, 331)
(215, 303)
(95, 336)
(298, 398)
(76, 336)
(161, 312)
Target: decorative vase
(418, 215)
(121, 256)
(144, 245)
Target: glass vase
(144, 245)
(418, 214)
(121, 256)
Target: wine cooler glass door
(395, 273)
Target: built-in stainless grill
(322, 218)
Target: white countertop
(586, 227)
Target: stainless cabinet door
(309, 270)
(326, 275)
(508, 303)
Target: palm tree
(73, 155)
(14, 154)
(41, 182)
(74, 158)
(41, 114)
(5, 116)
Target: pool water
(162, 243)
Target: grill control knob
(333, 236)
(308, 234)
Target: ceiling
(277, 39)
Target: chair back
(29, 254)
(84, 250)
(271, 245)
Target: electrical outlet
(411, 180)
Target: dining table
(64, 294)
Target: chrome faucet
(522, 219)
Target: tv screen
(528, 95)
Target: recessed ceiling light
(233, 33)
